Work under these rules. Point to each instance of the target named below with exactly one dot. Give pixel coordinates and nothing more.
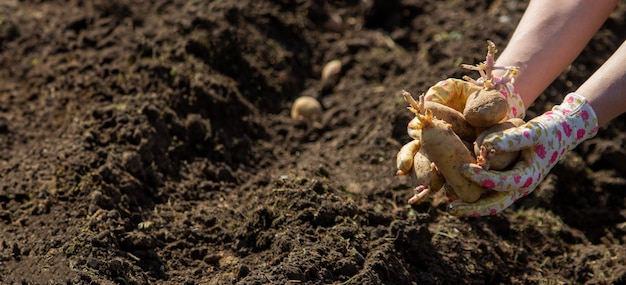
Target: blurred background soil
(150, 142)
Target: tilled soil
(150, 142)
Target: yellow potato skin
(404, 158)
(306, 108)
(459, 125)
(443, 147)
(485, 108)
(425, 173)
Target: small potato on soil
(332, 68)
(501, 160)
(306, 108)
(334, 23)
(485, 108)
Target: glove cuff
(580, 120)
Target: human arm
(606, 88)
(547, 40)
(546, 138)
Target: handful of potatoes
(447, 136)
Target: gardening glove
(542, 141)
(454, 92)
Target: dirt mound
(150, 142)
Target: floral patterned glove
(542, 140)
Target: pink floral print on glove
(542, 140)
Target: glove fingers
(525, 136)
(521, 176)
(490, 205)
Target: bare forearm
(550, 35)
(606, 88)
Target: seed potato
(443, 147)
(306, 108)
(485, 108)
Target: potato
(426, 173)
(332, 68)
(443, 147)
(404, 158)
(485, 108)
(501, 160)
(428, 177)
(306, 108)
(450, 194)
(459, 125)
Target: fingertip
(512, 139)
(486, 206)
(472, 171)
(461, 209)
(469, 168)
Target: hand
(453, 93)
(542, 140)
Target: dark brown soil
(149, 142)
